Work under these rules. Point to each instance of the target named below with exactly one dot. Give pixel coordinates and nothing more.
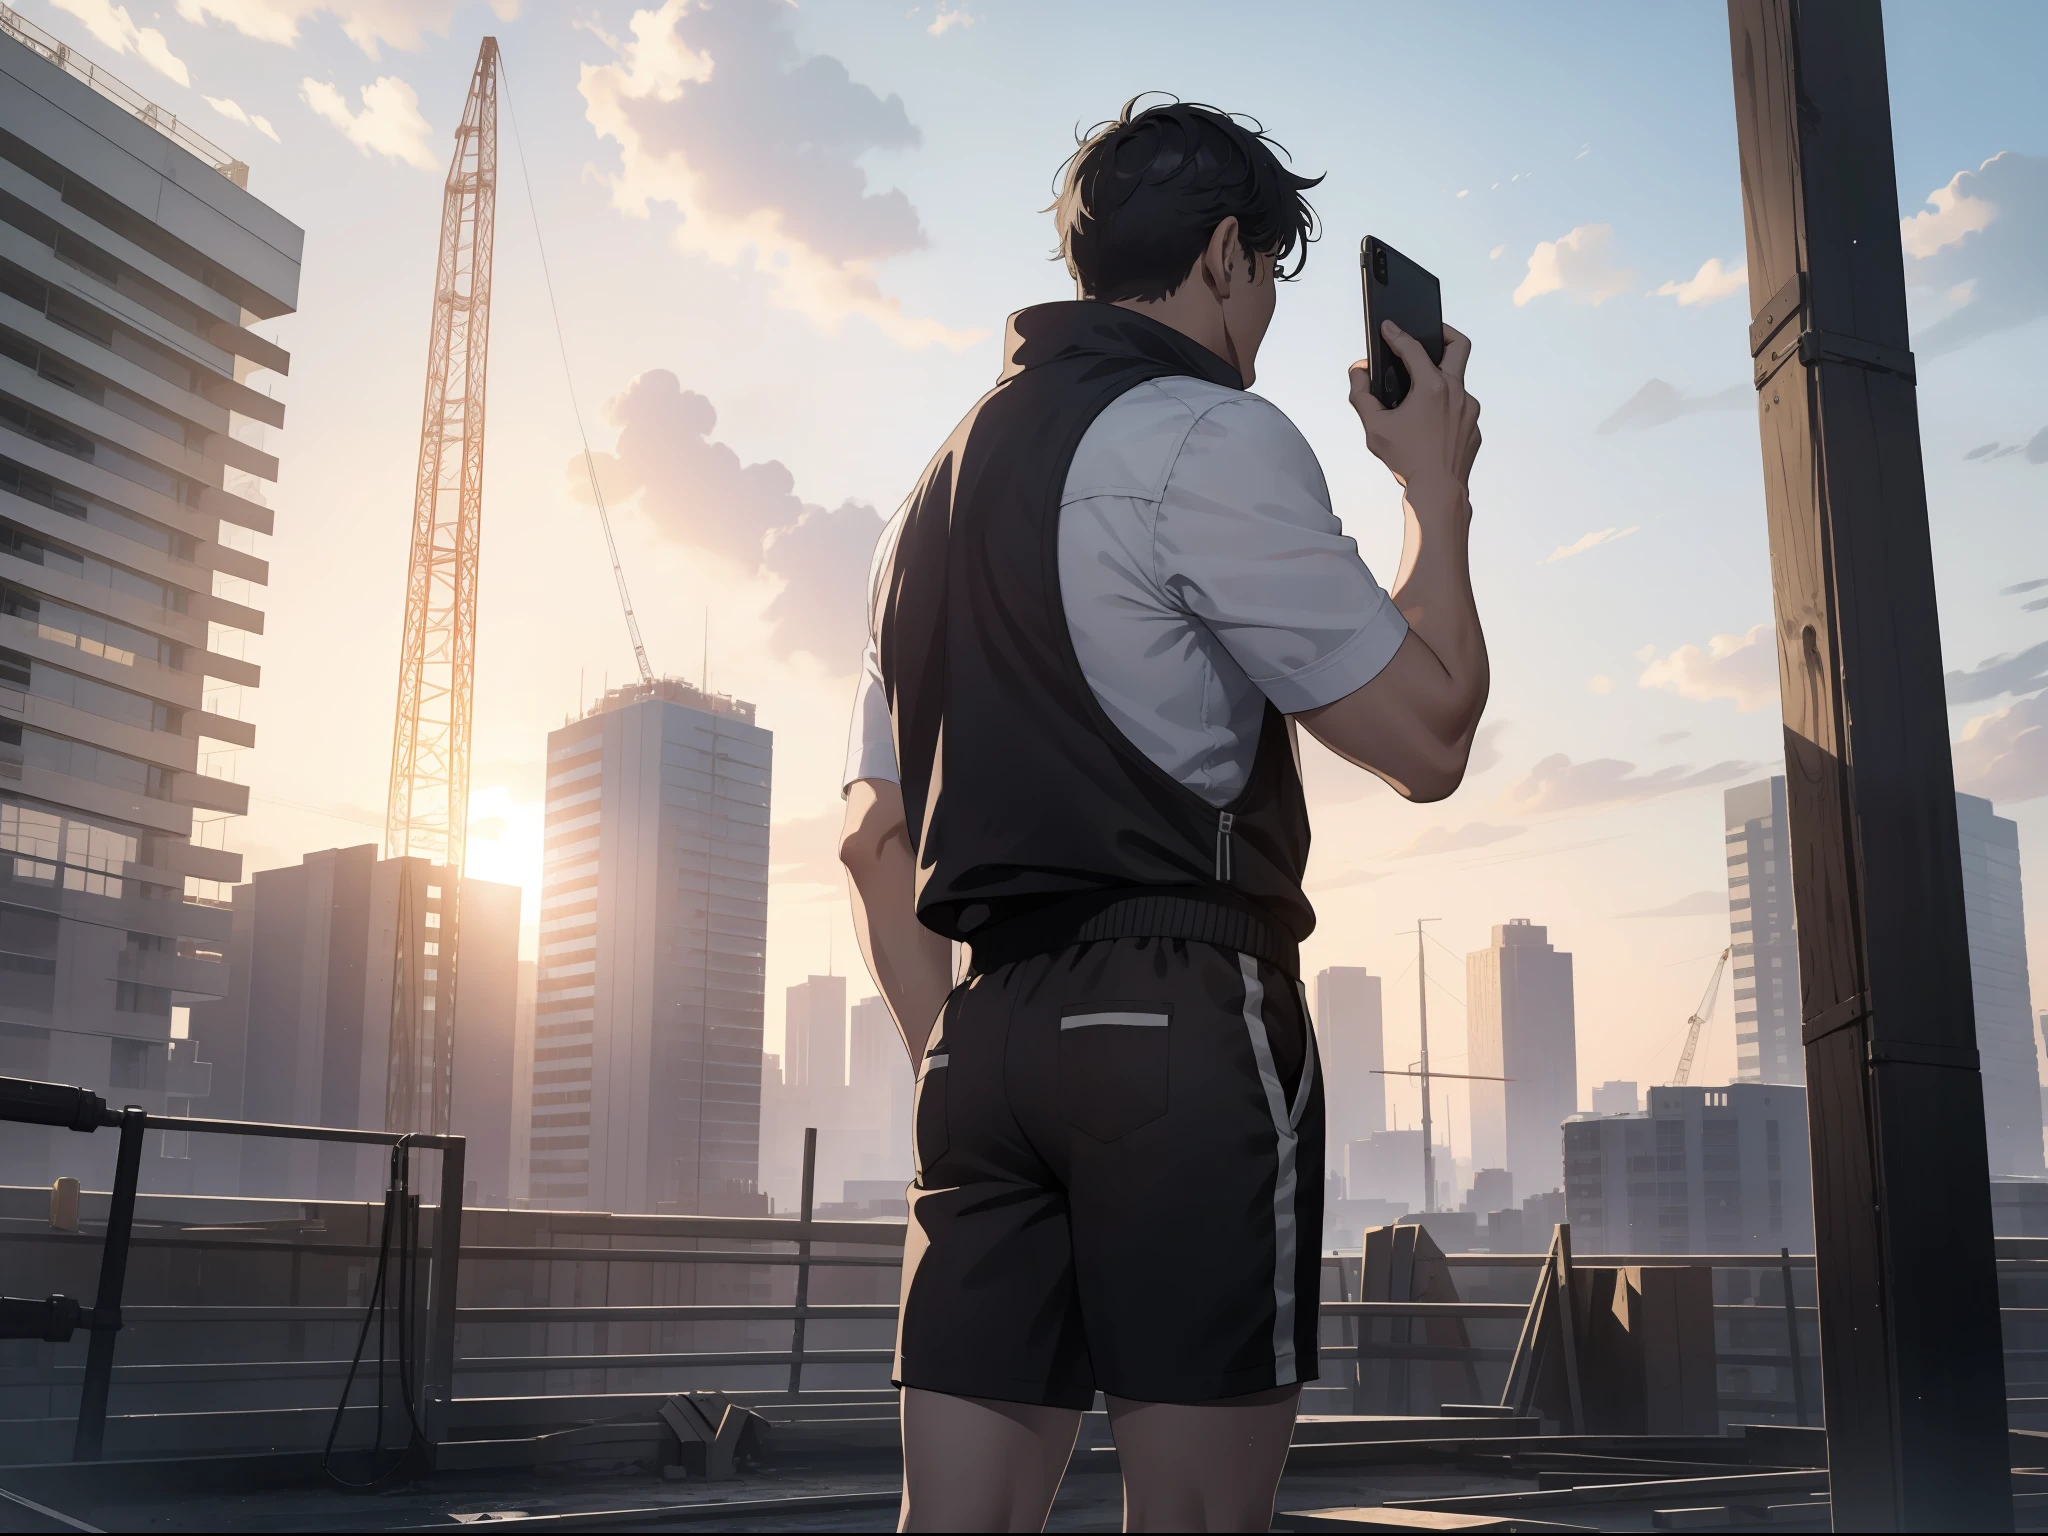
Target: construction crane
(1699, 1018)
(427, 814)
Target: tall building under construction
(133, 264)
(653, 938)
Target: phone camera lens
(1379, 265)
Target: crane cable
(568, 378)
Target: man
(1096, 622)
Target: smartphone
(1408, 294)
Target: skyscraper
(1350, 1036)
(304, 1033)
(814, 1034)
(653, 945)
(1999, 985)
(880, 1079)
(135, 263)
(1768, 1048)
(1520, 1025)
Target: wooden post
(1911, 1364)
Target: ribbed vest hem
(1133, 912)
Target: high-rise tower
(133, 265)
(1520, 1025)
(653, 945)
(1999, 987)
(1350, 1036)
(1768, 1048)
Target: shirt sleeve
(1246, 542)
(870, 738)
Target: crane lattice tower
(428, 807)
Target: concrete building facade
(1350, 1033)
(646, 1066)
(814, 1033)
(304, 1033)
(1520, 1025)
(1701, 1170)
(1763, 934)
(133, 264)
(2000, 987)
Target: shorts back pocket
(1113, 1066)
(929, 1137)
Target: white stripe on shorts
(1284, 1239)
(1126, 1018)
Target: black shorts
(1119, 1181)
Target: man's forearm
(1434, 593)
(911, 966)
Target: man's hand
(1413, 724)
(911, 965)
(1431, 438)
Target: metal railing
(123, 95)
(55, 1318)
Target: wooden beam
(1910, 1351)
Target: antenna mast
(427, 813)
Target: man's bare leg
(1203, 1466)
(974, 1464)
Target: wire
(400, 1234)
(604, 516)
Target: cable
(604, 516)
(400, 1232)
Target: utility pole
(1424, 1074)
(1422, 1015)
(1911, 1356)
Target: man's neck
(1194, 312)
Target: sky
(783, 241)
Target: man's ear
(1223, 259)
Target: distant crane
(428, 812)
(1699, 1018)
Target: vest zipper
(1224, 822)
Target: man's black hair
(1144, 192)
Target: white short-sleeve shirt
(1203, 573)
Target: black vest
(1036, 823)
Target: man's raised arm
(1413, 724)
(912, 965)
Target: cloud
(2004, 756)
(696, 491)
(389, 123)
(823, 605)
(1658, 402)
(806, 851)
(227, 107)
(2037, 447)
(1601, 684)
(2023, 586)
(1580, 264)
(1587, 541)
(1698, 904)
(758, 146)
(1345, 880)
(368, 24)
(947, 20)
(111, 25)
(1474, 834)
(1559, 784)
(1743, 668)
(1671, 738)
(1497, 252)
(1982, 236)
(1711, 282)
(1485, 747)
(2023, 672)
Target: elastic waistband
(1139, 915)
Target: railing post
(440, 1385)
(1792, 1337)
(803, 1265)
(106, 1310)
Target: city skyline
(1595, 809)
